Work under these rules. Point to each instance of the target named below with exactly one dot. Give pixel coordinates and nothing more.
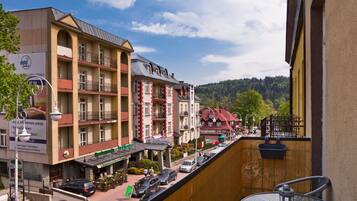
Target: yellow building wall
(298, 74)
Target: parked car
(150, 195)
(145, 185)
(79, 186)
(188, 166)
(166, 176)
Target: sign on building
(38, 139)
(29, 64)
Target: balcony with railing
(245, 171)
(282, 126)
(64, 44)
(184, 127)
(124, 68)
(94, 117)
(66, 120)
(158, 116)
(65, 84)
(94, 59)
(109, 89)
(124, 91)
(88, 87)
(124, 116)
(184, 114)
(91, 148)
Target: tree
(284, 108)
(250, 104)
(11, 83)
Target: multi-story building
(186, 119)
(320, 48)
(89, 70)
(153, 101)
(217, 122)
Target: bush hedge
(134, 170)
(144, 164)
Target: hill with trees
(223, 94)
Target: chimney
(173, 75)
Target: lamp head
(24, 136)
(56, 114)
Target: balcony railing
(183, 114)
(65, 84)
(124, 68)
(67, 119)
(185, 127)
(111, 88)
(124, 116)
(90, 148)
(158, 115)
(64, 51)
(95, 58)
(88, 86)
(159, 96)
(108, 115)
(124, 91)
(284, 126)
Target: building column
(160, 158)
(89, 173)
(139, 156)
(150, 155)
(126, 163)
(110, 170)
(168, 158)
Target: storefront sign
(38, 139)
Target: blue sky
(201, 41)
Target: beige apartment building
(187, 107)
(89, 70)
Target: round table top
(274, 196)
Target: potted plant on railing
(272, 151)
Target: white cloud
(254, 28)
(120, 4)
(143, 49)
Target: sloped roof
(90, 29)
(140, 65)
(220, 114)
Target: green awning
(110, 162)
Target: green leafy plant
(11, 83)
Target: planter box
(272, 151)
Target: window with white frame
(82, 51)
(147, 109)
(101, 56)
(2, 138)
(192, 109)
(83, 137)
(82, 80)
(101, 82)
(146, 88)
(101, 134)
(169, 127)
(147, 130)
(169, 92)
(169, 109)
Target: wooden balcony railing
(124, 140)
(90, 148)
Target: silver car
(188, 166)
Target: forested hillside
(273, 89)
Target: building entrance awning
(109, 157)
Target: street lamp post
(24, 136)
